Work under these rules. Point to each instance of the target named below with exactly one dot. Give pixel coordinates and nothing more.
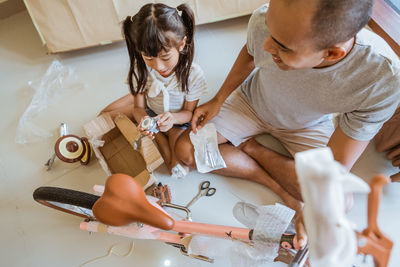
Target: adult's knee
(184, 151)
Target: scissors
(204, 190)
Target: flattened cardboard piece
(56, 23)
(124, 8)
(93, 28)
(127, 128)
(148, 150)
(216, 10)
(205, 11)
(150, 153)
(73, 24)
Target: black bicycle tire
(46, 195)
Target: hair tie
(131, 18)
(179, 12)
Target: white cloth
(323, 181)
(165, 93)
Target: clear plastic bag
(206, 151)
(58, 80)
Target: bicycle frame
(124, 208)
(183, 228)
(370, 241)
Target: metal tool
(204, 190)
(50, 161)
(138, 142)
(300, 258)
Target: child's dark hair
(154, 28)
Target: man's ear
(335, 53)
(182, 45)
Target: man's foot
(297, 206)
(300, 230)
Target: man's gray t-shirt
(364, 87)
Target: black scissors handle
(210, 191)
(206, 186)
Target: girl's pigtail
(187, 54)
(135, 59)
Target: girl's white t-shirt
(165, 93)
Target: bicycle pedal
(197, 257)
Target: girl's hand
(144, 132)
(165, 121)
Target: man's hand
(165, 121)
(205, 113)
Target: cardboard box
(113, 145)
(65, 25)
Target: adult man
(303, 61)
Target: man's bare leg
(280, 167)
(241, 165)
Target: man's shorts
(237, 122)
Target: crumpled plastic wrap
(206, 152)
(323, 184)
(33, 125)
(210, 246)
(268, 222)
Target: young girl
(162, 79)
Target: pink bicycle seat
(124, 202)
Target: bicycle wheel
(66, 200)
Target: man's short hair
(337, 21)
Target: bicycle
(136, 216)
(123, 209)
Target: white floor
(32, 235)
